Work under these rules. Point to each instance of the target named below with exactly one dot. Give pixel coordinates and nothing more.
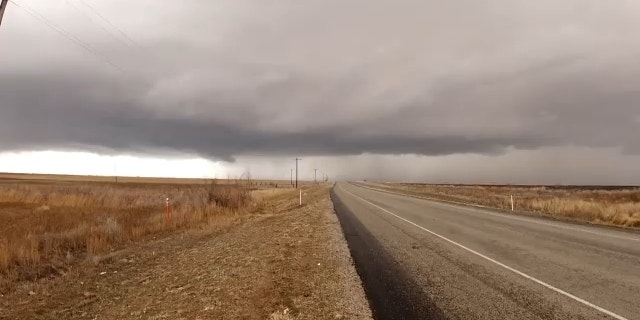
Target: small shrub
(232, 197)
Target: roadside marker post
(300, 196)
(511, 202)
(168, 211)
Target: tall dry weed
(47, 224)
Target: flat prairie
(58, 178)
(45, 224)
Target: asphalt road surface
(420, 259)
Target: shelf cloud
(240, 78)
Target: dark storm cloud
(336, 78)
(118, 123)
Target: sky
(465, 91)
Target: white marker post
(511, 202)
(168, 218)
(300, 196)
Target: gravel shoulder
(290, 263)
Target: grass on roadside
(615, 206)
(46, 226)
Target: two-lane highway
(421, 259)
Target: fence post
(168, 211)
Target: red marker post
(168, 211)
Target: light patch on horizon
(86, 163)
(606, 166)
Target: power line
(65, 33)
(100, 25)
(103, 18)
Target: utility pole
(3, 5)
(315, 176)
(297, 159)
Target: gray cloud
(118, 123)
(223, 79)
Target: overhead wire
(100, 25)
(103, 18)
(75, 40)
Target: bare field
(60, 178)
(47, 226)
(598, 204)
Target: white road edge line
(520, 273)
(546, 223)
(462, 206)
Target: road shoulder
(292, 263)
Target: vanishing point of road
(420, 259)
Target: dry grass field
(48, 224)
(148, 180)
(598, 204)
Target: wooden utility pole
(3, 5)
(297, 159)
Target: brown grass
(615, 206)
(46, 226)
(58, 178)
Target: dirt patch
(290, 264)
